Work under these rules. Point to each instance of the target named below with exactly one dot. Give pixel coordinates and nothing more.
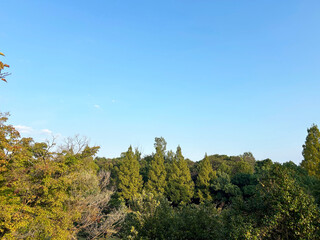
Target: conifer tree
(180, 187)
(157, 173)
(206, 174)
(311, 152)
(129, 178)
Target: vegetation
(156, 182)
(180, 187)
(129, 178)
(3, 75)
(311, 152)
(67, 193)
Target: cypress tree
(129, 178)
(206, 174)
(180, 185)
(311, 152)
(157, 173)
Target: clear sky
(219, 77)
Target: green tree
(249, 158)
(223, 190)
(205, 176)
(130, 180)
(242, 167)
(311, 152)
(279, 209)
(157, 173)
(161, 143)
(42, 192)
(180, 187)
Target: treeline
(65, 192)
(168, 173)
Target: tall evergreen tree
(130, 180)
(157, 173)
(180, 187)
(206, 174)
(311, 152)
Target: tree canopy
(68, 193)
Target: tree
(3, 75)
(242, 167)
(11, 210)
(205, 176)
(160, 143)
(180, 187)
(94, 222)
(130, 180)
(249, 158)
(157, 173)
(311, 152)
(223, 190)
(42, 193)
(279, 209)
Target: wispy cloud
(46, 131)
(34, 132)
(113, 100)
(23, 129)
(97, 106)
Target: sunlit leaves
(3, 75)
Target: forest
(66, 192)
(202, 119)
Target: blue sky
(219, 77)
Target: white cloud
(46, 131)
(113, 101)
(97, 106)
(23, 129)
(34, 132)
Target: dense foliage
(49, 192)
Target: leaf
(2, 54)
(3, 79)
(6, 65)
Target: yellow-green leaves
(2, 66)
(129, 178)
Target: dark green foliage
(263, 165)
(162, 221)
(280, 209)
(223, 190)
(145, 167)
(246, 182)
(193, 166)
(310, 184)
